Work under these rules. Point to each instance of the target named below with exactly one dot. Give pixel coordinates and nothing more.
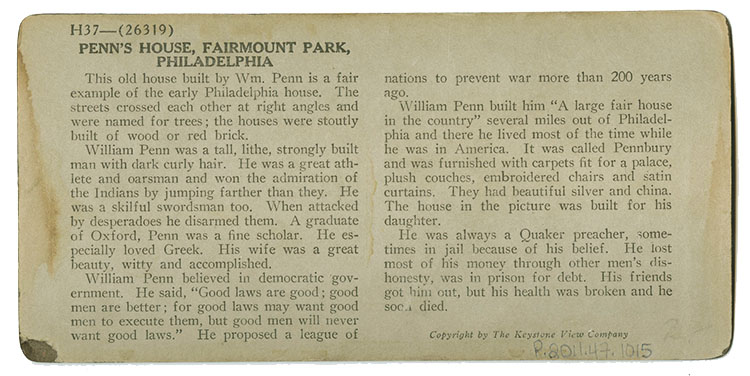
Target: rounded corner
(25, 21)
(726, 348)
(723, 17)
(719, 19)
(37, 351)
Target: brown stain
(38, 351)
(718, 190)
(38, 205)
(720, 165)
(720, 204)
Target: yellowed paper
(375, 187)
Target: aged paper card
(375, 187)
